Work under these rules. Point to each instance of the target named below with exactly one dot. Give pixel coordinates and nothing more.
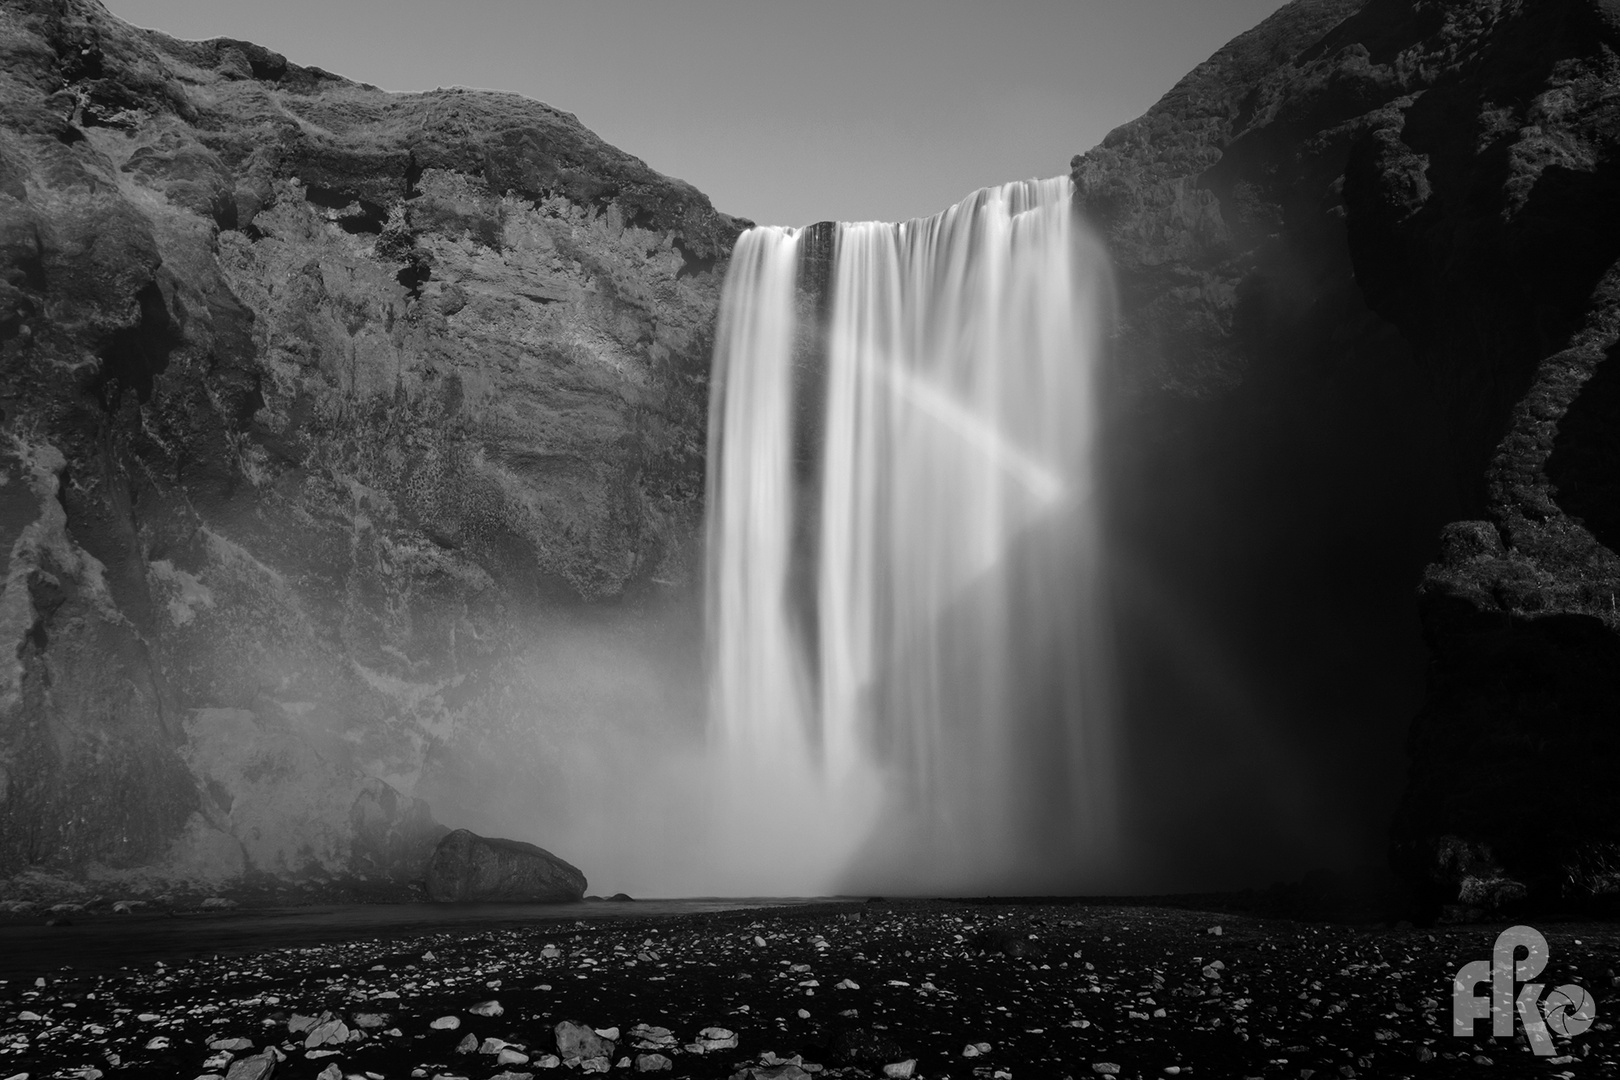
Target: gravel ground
(905, 988)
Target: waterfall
(909, 673)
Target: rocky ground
(924, 989)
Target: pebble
(1320, 996)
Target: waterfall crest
(909, 674)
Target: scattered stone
(901, 1070)
(468, 1044)
(653, 1063)
(446, 1023)
(487, 1008)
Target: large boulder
(468, 867)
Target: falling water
(909, 683)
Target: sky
(782, 111)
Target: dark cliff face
(330, 416)
(1367, 278)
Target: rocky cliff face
(332, 420)
(1368, 280)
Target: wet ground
(924, 988)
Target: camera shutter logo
(1569, 1010)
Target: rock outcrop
(1368, 281)
(327, 411)
(469, 867)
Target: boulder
(466, 867)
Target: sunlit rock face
(370, 425)
(1366, 267)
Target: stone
(653, 1063)
(327, 1033)
(578, 1043)
(716, 1038)
(901, 1070)
(446, 1023)
(260, 1066)
(468, 867)
(486, 1008)
(650, 1037)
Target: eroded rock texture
(328, 412)
(469, 867)
(1368, 283)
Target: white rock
(446, 1023)
(901, 1070)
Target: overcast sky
(783, 111)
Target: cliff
(329, 416)
(1368, 277)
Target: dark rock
(1366, 267)
(466, 867)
